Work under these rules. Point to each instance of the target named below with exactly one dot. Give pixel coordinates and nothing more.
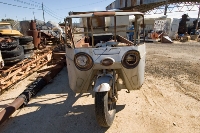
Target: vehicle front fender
(103, 84)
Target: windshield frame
(90, 30)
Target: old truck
(7, 30)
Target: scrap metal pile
(168, 29)
(24, 55)
(51, 33)
(23, 69)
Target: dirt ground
(168, 102)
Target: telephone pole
(166, 6)
(34, 15)
(43, 11)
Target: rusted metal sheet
(104, 13)
(96, 22)
(100, 21)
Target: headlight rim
(90, 64)
(128, 66)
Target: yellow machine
(6, 30)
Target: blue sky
(56, 10)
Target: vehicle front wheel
(105, 109)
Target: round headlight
(131, 59)
(83, 61)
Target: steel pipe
(8, 111)
(44, 78)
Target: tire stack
(27, 43)
(11, 51)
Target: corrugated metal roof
(142, 5)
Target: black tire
(28, 46)
(9, 46)
(105, 113)
(25, 39)
(13, 60)
(13, 53)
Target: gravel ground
(169, 100)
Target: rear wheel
(105, 109)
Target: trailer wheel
(25, 39)
(13, 60)
(28, 46)
(9, 45)
(13, 53)
(104, 109)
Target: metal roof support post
(135, 29)
(143, 28)
(92, 32)
(71, 31)
(139, 30)
(197, 20)
(166, 6)
(65, 21)
(87, 28)
(115, 24)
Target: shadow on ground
(64, 115)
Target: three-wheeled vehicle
(101, 58)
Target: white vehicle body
(103, 60)
(80, 81)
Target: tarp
(54, 26)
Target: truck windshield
(5, 27)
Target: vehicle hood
(10, 32)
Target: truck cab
(6, 30)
